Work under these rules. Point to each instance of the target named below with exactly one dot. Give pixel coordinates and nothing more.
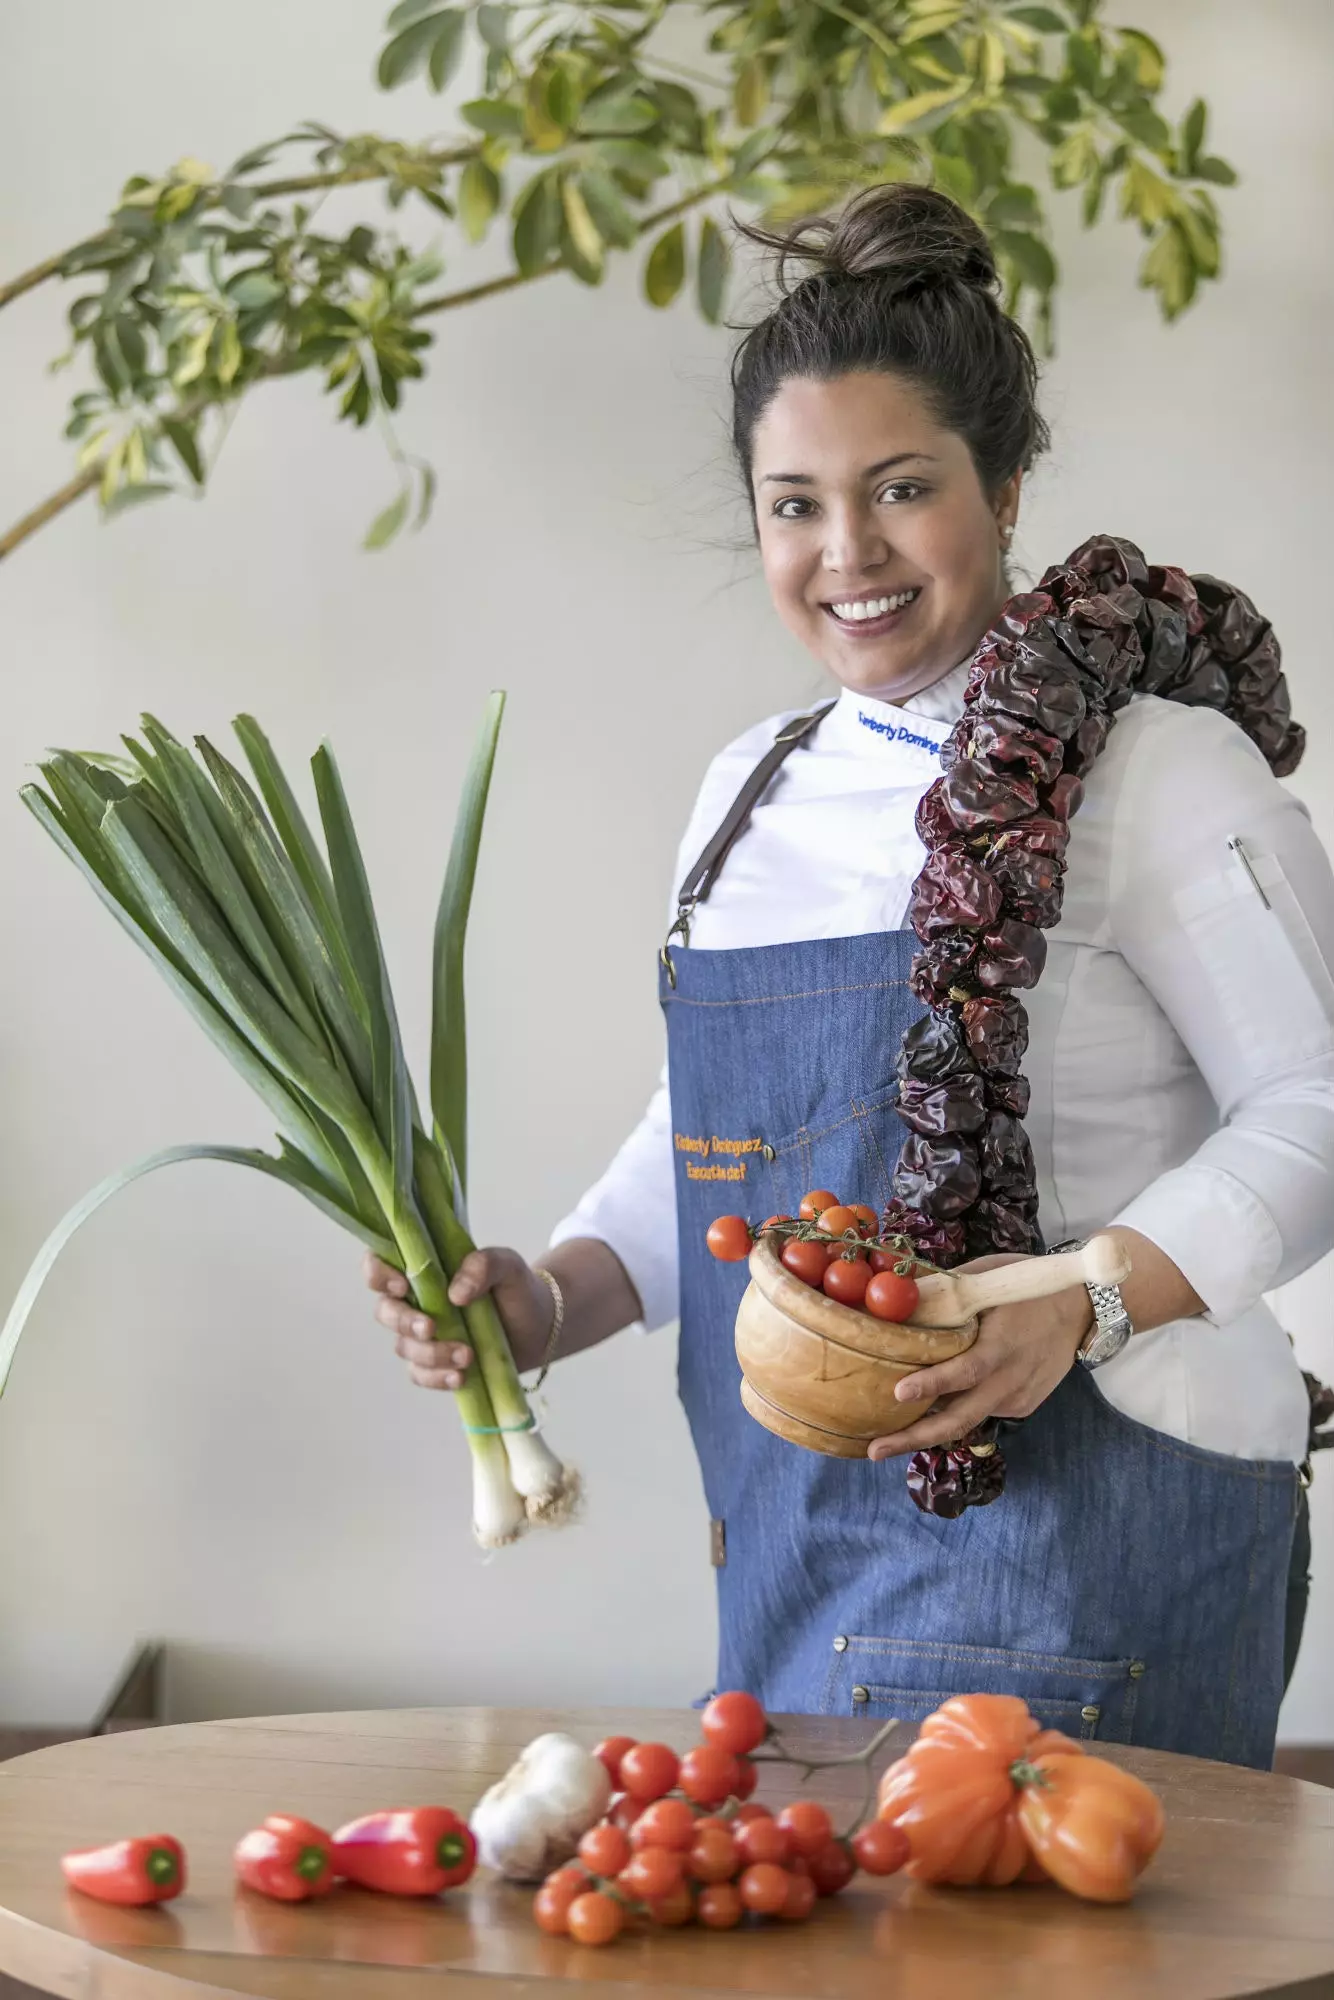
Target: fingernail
(452, 1381)
(421, 1327)
(460, 1294)
(398, 1288)
(461, 1357)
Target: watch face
(1105, 1344)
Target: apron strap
(709, 867)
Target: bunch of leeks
(272, 943)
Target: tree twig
(55, 504)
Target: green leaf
(447, 48)
(1045, 19)
(408, 11)
(493, 26)
(479, 198)
(1093, 194)
(750, 92)
(251, 290)
(183, 438)
(1074, 159)
(386, 525)
(543, 127)
(1193, 128)
(1029, 255)
(1201, 234)
(299, 843)
(1083, 58)
(407, 53)
(427, 499)
(664, 273)
(1169, 269)
(134, 496)
(449, 1072)
(1013, 205)
(393, 1099)
(1147, 125)
(714, 261)
(912, 112)
(615, 224)
(622, 112)
(1150, 62)
(537, 220)
(496, 120)
(639, 162)
(584, 233)
(1216, 170)
(1146, 195)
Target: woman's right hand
(523, 1301)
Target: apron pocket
(909, 1678)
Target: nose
(854, 540)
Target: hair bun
(914, 233)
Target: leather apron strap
(709, 867)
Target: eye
(900, 491)
(793, 507)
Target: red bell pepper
(286, 1858)
(129, 1871)
(416, 1851)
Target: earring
(1007, 534)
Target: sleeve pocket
(1263, 962)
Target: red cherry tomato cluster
(681, 1845)
(833, 1247)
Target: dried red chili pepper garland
(1046, 684)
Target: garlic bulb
(534, 1819)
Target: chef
(1179, 1093)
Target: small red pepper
(287, 1858)
(416, 1851)
(129, 1871)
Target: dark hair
(904, 283)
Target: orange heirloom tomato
(954, 1794)
(1093, 1827)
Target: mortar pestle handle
(948, 1298)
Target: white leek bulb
(534, 1819)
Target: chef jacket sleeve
(632, 1209)
(1236, 944)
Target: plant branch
(451, 156)
(50, 507)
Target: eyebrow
(882, 465)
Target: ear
(1005, 501)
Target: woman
(1130, 1583)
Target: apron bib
(1129, 1586)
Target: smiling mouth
(861, 612)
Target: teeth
(872, 607)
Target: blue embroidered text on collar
(898, 732)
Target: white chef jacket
(1181, 1049)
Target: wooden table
(1239, 1901)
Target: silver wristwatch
(1111, 1322)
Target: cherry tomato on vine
(847, 1279)
(666, 1823)
(735, 1721)
(729, 1238)
(651, 1873)
(677, 1907)
(772, 1221)
(744, 1814)
(839, 1220)
(605, 1849)
(813, 1204)
(762, 1839)
(720, 1907)
(649, 1771)
(594, 1918)
(867, 1220)
(709, 1775)
(832, 1867)
(806, 1261)
(626, 1812)
(764, 1888)
(807, 1825)
(610, 1752)
(880, 1847)
(801, 1894)
(888, 1296)
(748, 1780)
(714, 1856)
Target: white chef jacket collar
(908, 735)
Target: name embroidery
(897, 732)
(706, 1147)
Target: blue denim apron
(1129, 1586)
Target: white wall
(205, 1438)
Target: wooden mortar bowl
(818, 1373)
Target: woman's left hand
(1020, 1354)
